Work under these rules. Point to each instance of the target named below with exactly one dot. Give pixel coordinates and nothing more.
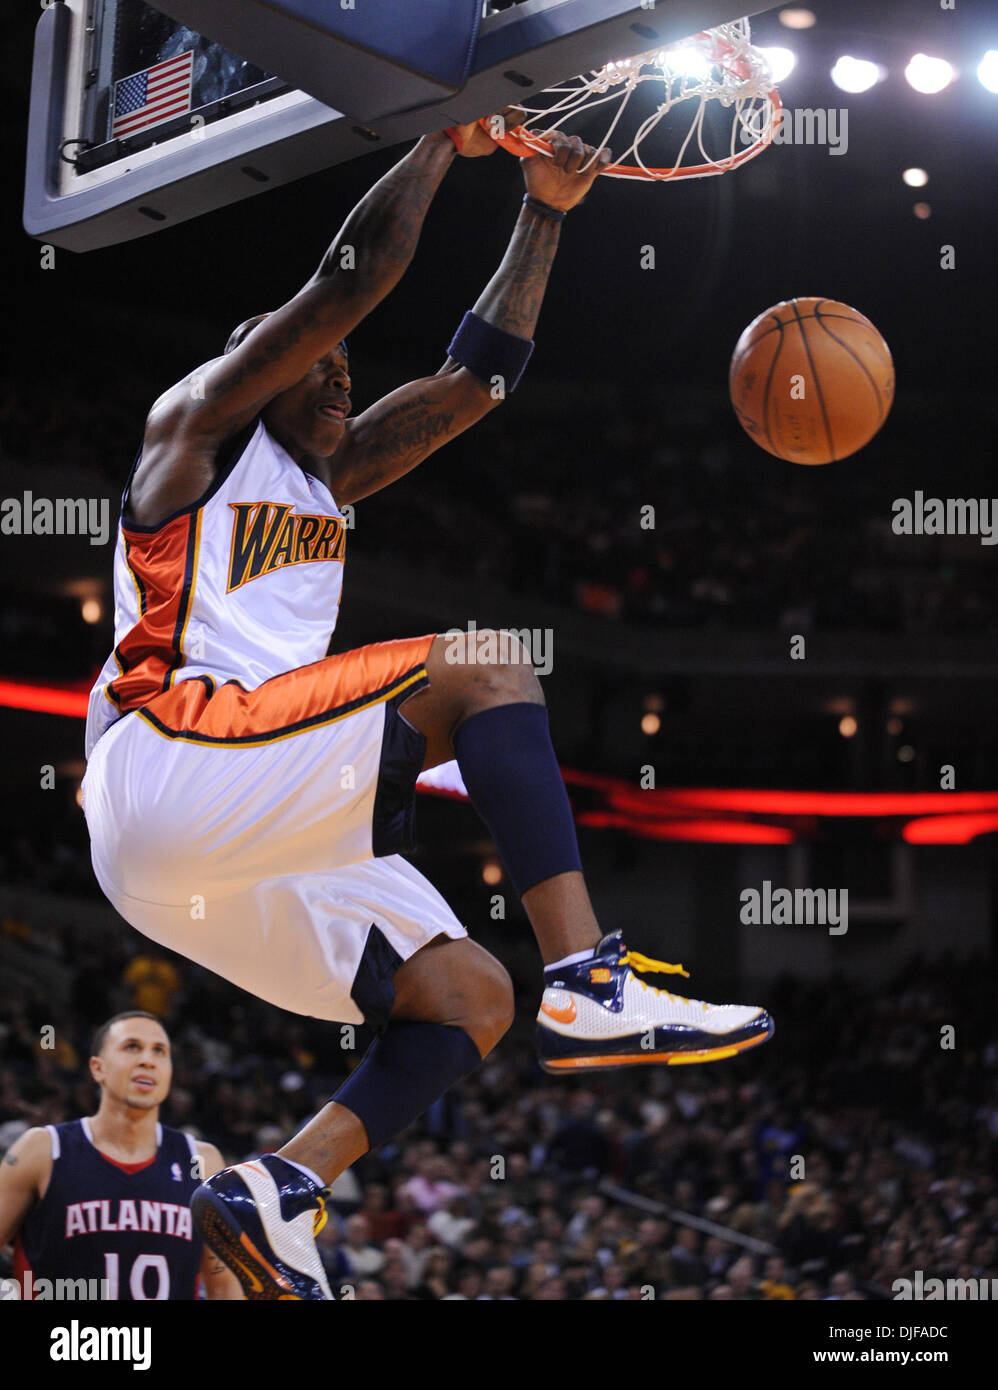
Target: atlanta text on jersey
(126, 1214)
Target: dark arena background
(756, 681)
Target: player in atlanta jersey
(247, 795)
(106, 1199)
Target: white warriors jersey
(242, 585)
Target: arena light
(782, 62)
(915, 178)
(929, 75)
(687, 60)
(754, 801)
(948, 830)
(987, 70)
(923, 211)
(650, 723)
(796, 17)
(44, 699)
(678, 813)
(91, 610)
(847, 726)
(855, 74)
(702, 831)
(651, 806)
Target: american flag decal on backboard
(153, 95)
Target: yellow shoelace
(321, 1217)
(654, 967)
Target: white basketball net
(718, 65)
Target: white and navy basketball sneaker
(599, 1013)
(261, 1218)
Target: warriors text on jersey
(242, 585)
(127, 1224)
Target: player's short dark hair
(100, 1037)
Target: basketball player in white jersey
(247, 795)
(106, 1199)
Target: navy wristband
(542, 208)
(489, 352)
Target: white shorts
(255, 831)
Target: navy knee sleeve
(515, 784)
(403, 1072)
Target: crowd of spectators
(57, 861)
(855, 1149)
(623, 510)
(623, 518)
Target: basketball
(811, 380)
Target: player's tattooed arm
(24, 1175)
(401, 430)
(366, 259)
(371, 251)
(512, 298)
(383, 230)
(219, 1281)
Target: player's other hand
(474, 140)
(556, 179)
